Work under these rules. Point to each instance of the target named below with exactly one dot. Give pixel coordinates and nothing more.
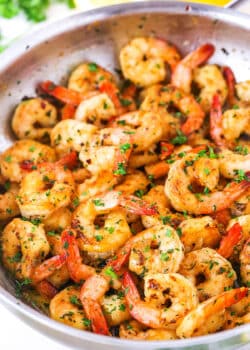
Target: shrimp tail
(166, 150)
(94, 313)
(230, 79)
(69, 160)
(121, 258)
(61, 93)
(77, 270)
(48, 267)
(157, 170)
(199, 56)
(46, 289)
(137, 206)
(68, 111)
(216, 121)
(111, 90)
(228, 242)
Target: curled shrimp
(207, 317)
(87, 77)
(168, 297)
(71, 135)
(135, 330)
(45, 190)
(101, 241)
(178, 190)
(8, 204)
(240, 233)
(97, 110)
(170, 95)
(24, 246)
(197, 233)
(22, 157)
(34, 119)
(205, 266)
(143, 60)
(157, 249)
(66, 308)
(182, 75)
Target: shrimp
(66, 307)
(34, 119)
(77, 270)
(197, 233)
(243, 223)
(22, 156)
(101, 241)
(146, 128)
(134, 182)
(87, 77)
(205, 266)
(96, 110)
(232, 164)
(143, 60)
(245, 263)
(71, 135)
(24, 246)
(208, 317)
(182, 74)
(168, 297)
(226, 127)
(169, 95)
(157, 249)
(238, 313)
(243, 90)
(115, 309)
(182, 198)
(45, 190)
(136, 331)
(210, 81)
(8, 204)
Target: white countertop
(14, 334)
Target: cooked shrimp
(177, 189)
(232, 164)
(157, 249)
(230, 240)
(34, 119)
(168, 297)
(101, 241)
(87, 77)
(205, 266)
(146, 128)
(8, 203)
(24, 246)
(207, 317)
(210, 80)
(245, 263)
(97, 110)
(169, 95)
(238, 313)
(77, 269)
(22, 156)
(182, 75)
(243, 90)
(226, 128)
(66, 307)
(244, 224)
(115, 309)
(136, 331)
(143, 60)
(45, 190)
(134, 182)
(71, 135)
(197, 233)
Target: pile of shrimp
(125, 205)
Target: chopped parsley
(111, 273)
(98, 202)
(120, 169)
(179, 139)
(124, 147)
(92, 67)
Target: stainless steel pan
(53, 50)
